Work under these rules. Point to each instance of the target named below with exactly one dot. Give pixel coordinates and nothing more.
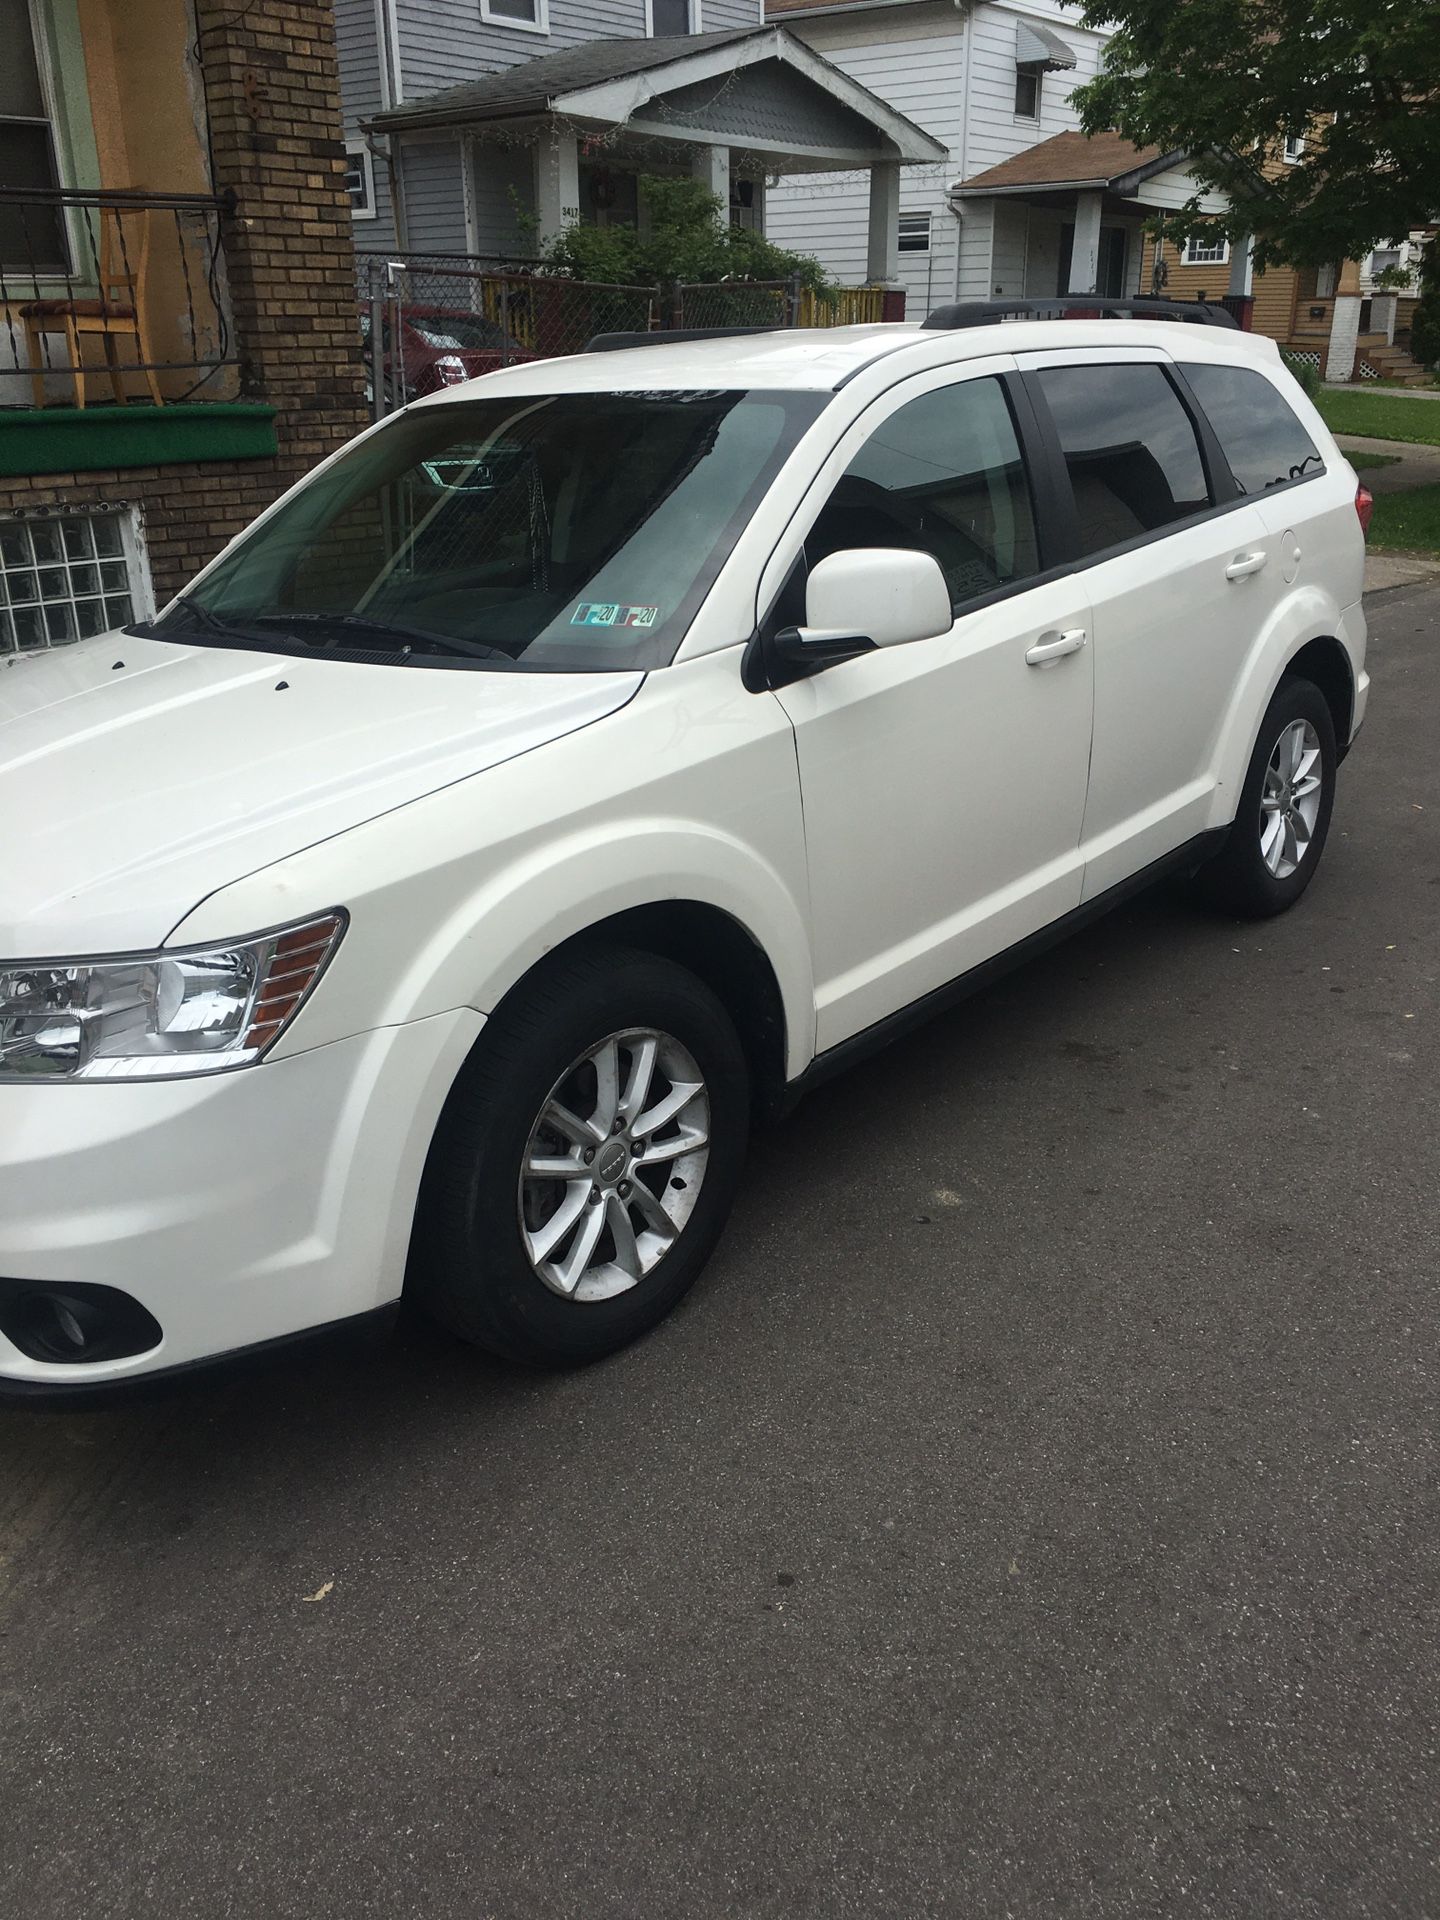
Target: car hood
(137, 776)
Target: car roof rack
(1078, 306)
(667, 336)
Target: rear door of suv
(1179, 574)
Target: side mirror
(868, 597)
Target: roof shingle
(1066, 160)
(530, 86)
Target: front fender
(493, 937)
(688, 793)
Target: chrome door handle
(1054, 646)
(1244, 563)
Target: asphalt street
(1033, 1511)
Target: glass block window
(67, 576)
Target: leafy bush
(685, 239)
(1307, 375)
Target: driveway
(1033, 1512)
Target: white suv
(585, 760)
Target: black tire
(1238, 880)
(469, 1266)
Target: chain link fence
(432, 320)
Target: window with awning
(1040, 50)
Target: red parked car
(441, 346)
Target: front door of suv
(1179, 594)
(943, 783)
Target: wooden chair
(117, 314)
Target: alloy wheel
(1290, 799)
(614, 1164)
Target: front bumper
(236, 1208)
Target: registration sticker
(604, 613)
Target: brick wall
(272, 94)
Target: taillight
(1364, 507)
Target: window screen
(943, 474)
(1263, 441)
(32, 237)
(1130, 450)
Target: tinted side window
(1263, 441)
(1130, 449)
(943, 474)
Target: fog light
(75, 1323)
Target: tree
(1425, 327)
(1227, 80)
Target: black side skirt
(860, 1046)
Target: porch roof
(1071, 160)
(667, 86)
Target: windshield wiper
(196, 614)
(387, 629)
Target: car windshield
(565, 532)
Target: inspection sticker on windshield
(606, 613)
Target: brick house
(175, 220)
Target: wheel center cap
(611, 1162)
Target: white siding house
(969, 76)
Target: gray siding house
(482, 127)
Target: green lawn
(1360, 460)
(1383, 416)
(1407, 522)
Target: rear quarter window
(1258, 432)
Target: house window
(1294, 147)
(914, 233)
(68, 575)
(665, 19)
(532, 15)
(360, 182)
(1200, 251)
(30, 236)
(746, 204)
(1027, 93)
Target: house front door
(1110, 269)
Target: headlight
(196, 1010)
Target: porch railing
(116, 294)
(781, 303)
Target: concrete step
(1394, 363)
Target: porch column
(1242, 264)
(882, 253)
(711, 167)
(1345, 326)
(1085, 255)
(557, 183)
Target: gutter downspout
(386, 148)
(967, 8)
